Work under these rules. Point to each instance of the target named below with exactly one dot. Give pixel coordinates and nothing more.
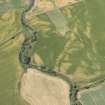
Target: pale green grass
(95, 96)
(59, 20)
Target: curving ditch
(25, 59)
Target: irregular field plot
(94, 96)
(41, 89)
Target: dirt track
(40, 89)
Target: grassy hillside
(10, 69)
(80, 50)
(10, 72)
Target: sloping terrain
(78, 32)
(70, 41)
(11, 38)
(93, 96)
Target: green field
(81, 50)
(59, 21)
(95, 96)
(10, 69)
(10, 72)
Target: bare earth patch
(40, 89)
(49, 5)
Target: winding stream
(25, 58)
